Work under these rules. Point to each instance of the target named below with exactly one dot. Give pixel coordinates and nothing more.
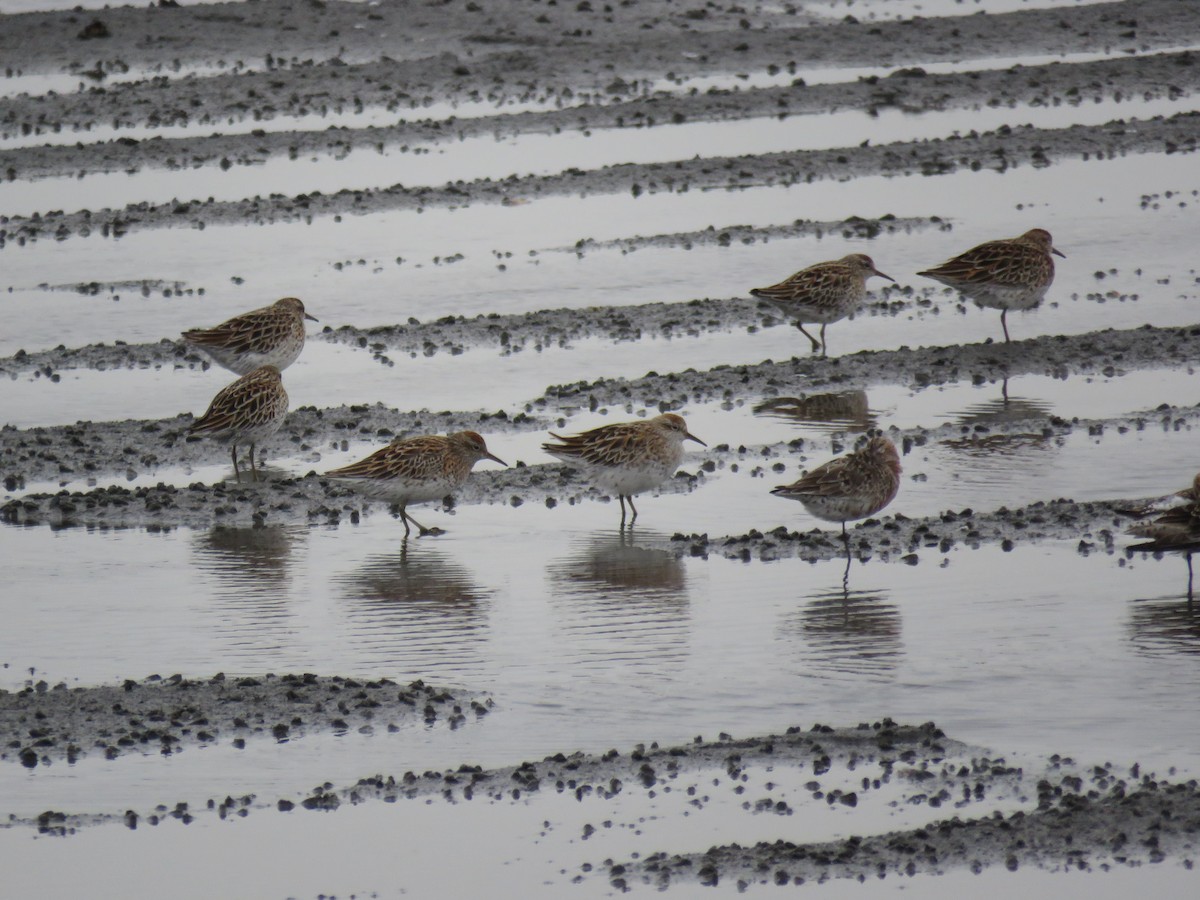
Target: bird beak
(888, 277)
(495, 459)
(688, 436)
(1058, 253)
(311, 318)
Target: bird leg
(1189, 562)
(1004, 324)
(816, 344)
(253, 470)
(406, 518)
(236, 471)
(824, 348)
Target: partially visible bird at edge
(1171, 524)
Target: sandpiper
(626, 457)
(271, 336)
(247, 411)
(1013, 273)
(852, 486)
(823, 293)
(416, 470)
(1175, 525)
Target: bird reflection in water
(980, 418)
(853, 632)
(625, 598)
(250, 572)
(416, 609)
(839, 411)
(1165, 624)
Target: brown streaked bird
(416, 470)
(1013, 273)
(626, 457)
(852, 486)
(823, 293)
(247, 411)
(1175, 526)
(271, 336)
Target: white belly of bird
(629, 480)
(253, 434)
(281, 357)
(396, 490)
(1008, 296)
(841, 509)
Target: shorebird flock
(628, 458)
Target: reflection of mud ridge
(856, 632)
(250, 559)
(1166, 624)
(622, 563)
(844, 410)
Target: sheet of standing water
(588, 640)
(385, 268)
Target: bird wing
(801, 284)
(1002, 262)
(603, 446)
(829, 480)
(252, 400)
(409, 458)
(241, 333)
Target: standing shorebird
(416, 470)
(1013, 273)
(627, 457)
(853, 486)
(271, 336)
(824, 293)
(246, 412)
(1175, 528)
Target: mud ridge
(44, 725)
(997, 150)
(1172, 75)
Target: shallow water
(609, 640)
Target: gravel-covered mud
(44, 724)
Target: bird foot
(431, 532)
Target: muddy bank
(998, 150)
(1170, 75)
(1070, 830)
(1069, 816)
(464, 50)
(44, 725)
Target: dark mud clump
(42, 725)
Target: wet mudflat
(504, 233)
